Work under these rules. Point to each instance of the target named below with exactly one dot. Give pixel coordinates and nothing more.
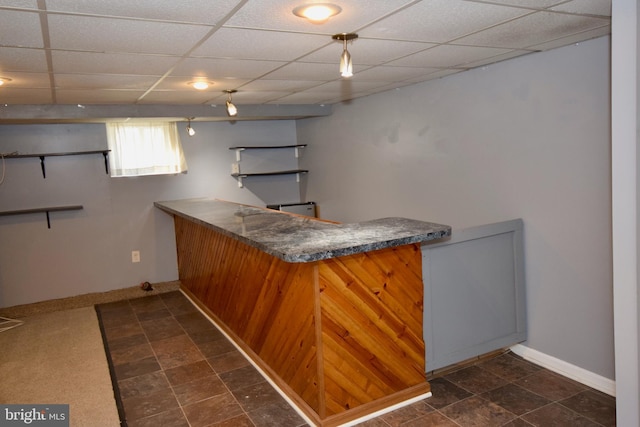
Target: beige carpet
(59, 357)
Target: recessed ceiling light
(4, 80)
(318, 13)
(200, 84)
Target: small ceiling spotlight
(317, 13)
(4, 80)
(200, 84)
(346, 65)
(190, 130)
(232, 111)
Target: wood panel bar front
(341, 337)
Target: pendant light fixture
(346, 65)
(190, 130)
(232, 111)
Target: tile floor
(174, 368)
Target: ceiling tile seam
(518, 6)
(135, 18)
(193, 48)
(570, 35)
(543, 9)
(274, 30)
(46, 41)
(18, 9)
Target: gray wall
(526, 138)
(90, 250)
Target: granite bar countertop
(295, 238)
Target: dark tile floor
(172, 368)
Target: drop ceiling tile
(303, 98)
(350, 85)
(14, 96)
(175, 97)
(278, 15)
(104, 81)
(65, 61)
(22, 4)
(576, 38)
(256, 97)
(200, 11)
(224, 68)
(531, 4)
(16, 59)
(152, 38)
(534, 29)
(497, 58)
(367, 51)
(26, 80)
(306, 71)
(216, 86)
(436, 75)
(385, 73)
(89, 96)
(447, 56)
(122, 36)
(20, 29)
(273, 45)
(439, 21)
(279, 85)
(589, 7)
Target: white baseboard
(566, 369)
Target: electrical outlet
(135, 256)
(235, 168)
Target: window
(144, 148)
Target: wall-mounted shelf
(46, 210)
(296, 172)
(296, 149)
(42, 156)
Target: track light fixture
(190, 130)
(346, 65)
(232, 111)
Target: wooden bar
(342, 336)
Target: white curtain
(145, 148)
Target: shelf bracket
(238, 156)
(105, 154)
(240, 184)
(44, 174)
(296, 150)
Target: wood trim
(266, 369)
(340, 337)
(322, 407)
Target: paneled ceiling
(128, 52)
